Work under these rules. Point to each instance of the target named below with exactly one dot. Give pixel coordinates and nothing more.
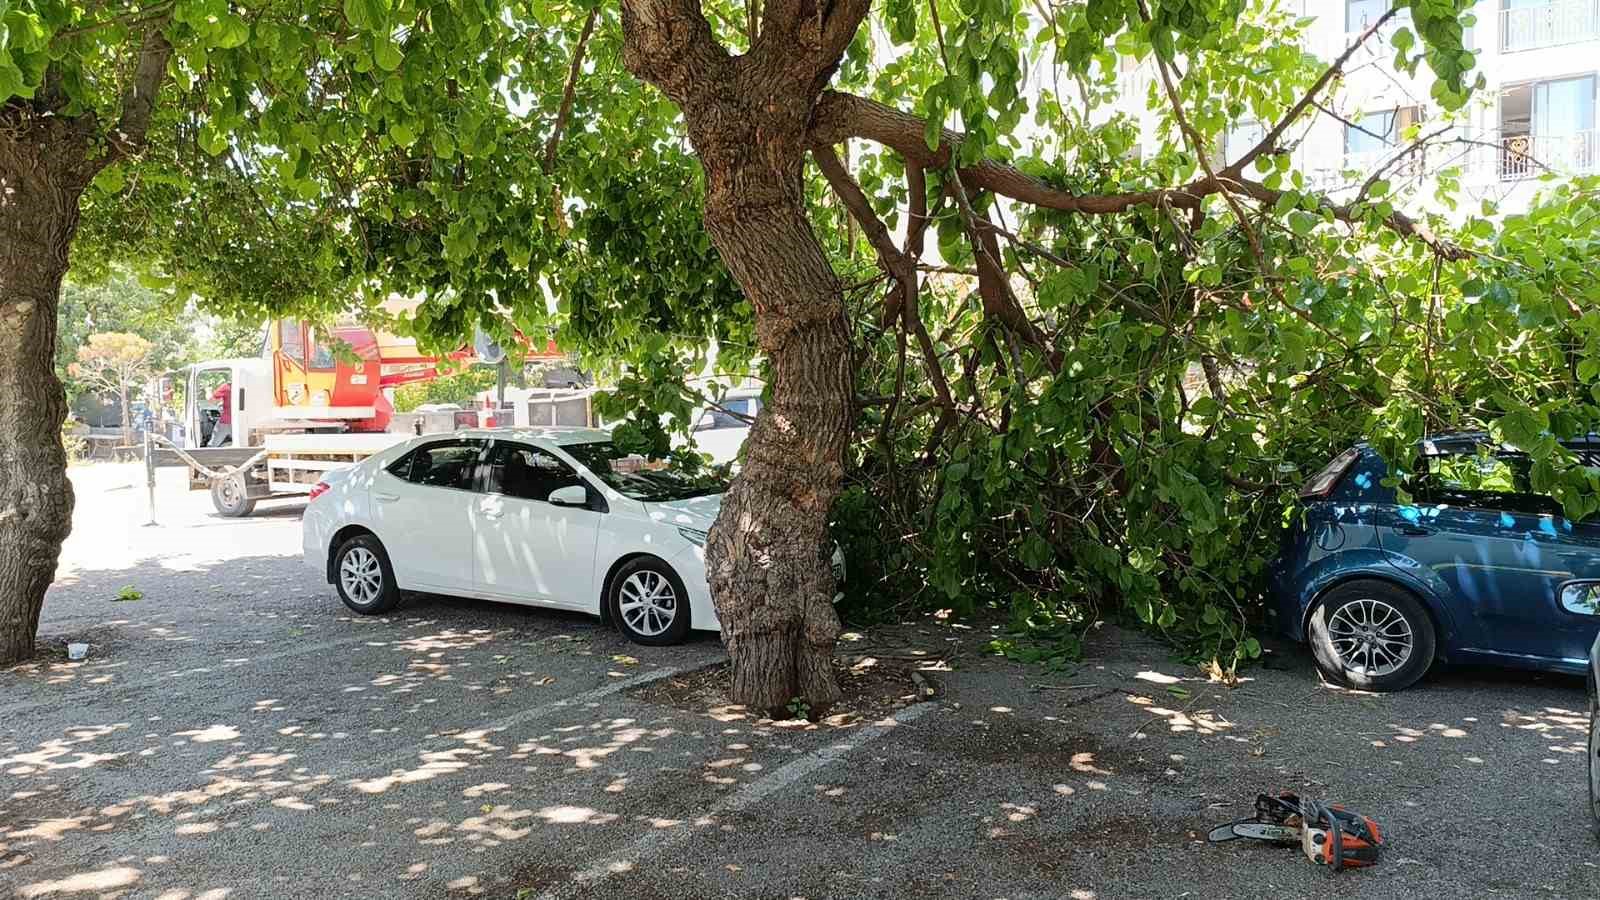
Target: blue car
(1477, 568)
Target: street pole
(150, 472)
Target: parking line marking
(656, 841)
(153, 680)
(347, 772)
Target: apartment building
(1537, 114)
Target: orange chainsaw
(1329, 834)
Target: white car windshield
(651, 481)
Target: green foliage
(1111, 478)
(460, 388)
(119, 303)
(307, 157)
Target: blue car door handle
(1413, 529)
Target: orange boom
(311, 382)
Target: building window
(1548, 125)
(1360, 14)
(1532, 24)
(1375, 134)
(1240, 138)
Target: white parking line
(412, 753)
(655, 841)
(233, 662)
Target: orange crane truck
(269, 426)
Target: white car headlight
(693, 535)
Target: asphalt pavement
(236, 732)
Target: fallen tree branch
(839, 116)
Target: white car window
(448, 464)
(527, 473)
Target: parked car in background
(1476, 568)
(720, 431)
(555, 517)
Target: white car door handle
(492, 512)
(385, 497)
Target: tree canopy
(1087, 369)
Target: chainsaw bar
(1256, 831)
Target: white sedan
(555, 517)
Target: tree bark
(768, 554)
(767, 557)
(42, 176)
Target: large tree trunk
(747, 117)
(41, 181)
(768, 555)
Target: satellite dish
(487, 349)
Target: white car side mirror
(571, 495)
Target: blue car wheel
(1371, 635)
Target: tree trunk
(768, 554)
(41, 181)
(127, 416)
(748, 118)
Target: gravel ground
(236, 733)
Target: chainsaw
(1329, 834)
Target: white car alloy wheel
(361, 576)
(648, 603)
(1370, 636)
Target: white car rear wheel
(363, 576)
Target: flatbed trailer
(283, 466)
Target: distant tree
(118, 302)
(114, 361)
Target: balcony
(1355, 168)
(1133, 85)
(1549, 25)
(1532, 155)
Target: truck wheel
(228, 496)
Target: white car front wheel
(648, 602)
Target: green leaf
(367, 15)
(443, 147)
(11, 81)
(402, 133)
(111, 179)
(386, 53)
(933, 131)
(231, 31)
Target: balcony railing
(1356, 168)
(1549, 24)
(1134, 84)
(1532, 155)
